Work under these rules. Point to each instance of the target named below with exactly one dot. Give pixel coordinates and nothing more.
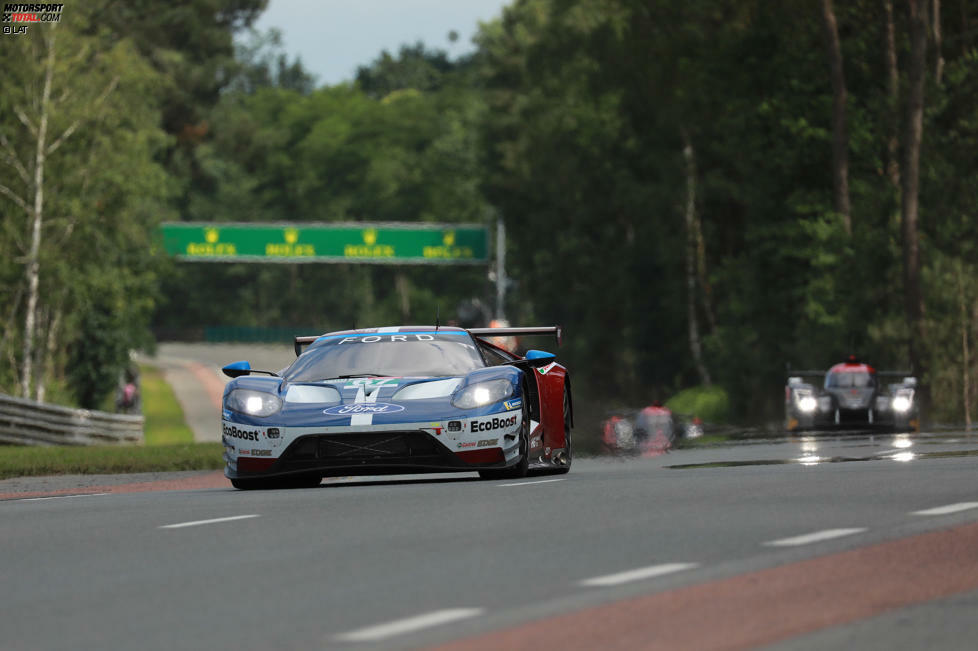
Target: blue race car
(398, 400)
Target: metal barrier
(26, 422)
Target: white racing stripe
(56, 497)
(363, 419)
(181, 525)
(814, 537)
(529, 483)
(409, 625)
(950, 508)
(638, 574)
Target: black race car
(850, 396)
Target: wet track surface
(808, 542)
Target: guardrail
(26, 422)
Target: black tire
(568, 442)
(518, 470)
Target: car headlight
(483, 393)
(806, 401)
(253, 403)
(901, 403)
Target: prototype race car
(398, 400)
(850, 397)
(648, 431)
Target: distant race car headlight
(807, 404)
(806, 401)
(901, 403)
(253, 403)
(483, 393)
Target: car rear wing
(556, 331)
(304, 341)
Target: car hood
(343, 402)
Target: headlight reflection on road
(809, 450)
(904, 456)
(902, 441)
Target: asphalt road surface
(807, 543)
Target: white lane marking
(195, 523)
(638, 574)
(528, 483)
(950, 508)
(814, 537)
(409, 625)
(56, 497)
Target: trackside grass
(169, 444)
(96, 460)
(165, 423)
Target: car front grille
(364, 445)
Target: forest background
(701, 191)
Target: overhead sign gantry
(336, 242)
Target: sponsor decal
(369, 383)
(487, 442)
(244, 453)
(255, 452)
(291, 248)
(469, 444)
(513, 404)
(449, 250)
(546, 369)
(363, 408)
(373, 339)
(273, 433)
(211, 246)
(235, 432)
(454, 426)
(536, 443)
(494, 423)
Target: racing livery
(398, 400)
(851, 397)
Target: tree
(840, 139)
(910, 183)
(77, 105)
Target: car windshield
(654, 424)
(426, 354)
(849, 380)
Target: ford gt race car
(851, 397)
(398, 400)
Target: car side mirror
(237, 369)
(538, 358)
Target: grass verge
(169, 444)
(31, 461)
(165, 424)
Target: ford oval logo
(363, 408)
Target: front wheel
(520, 469)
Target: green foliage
(570, 122)
(711, 404)
(165, 424)
(32, 461)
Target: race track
(835, 542)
